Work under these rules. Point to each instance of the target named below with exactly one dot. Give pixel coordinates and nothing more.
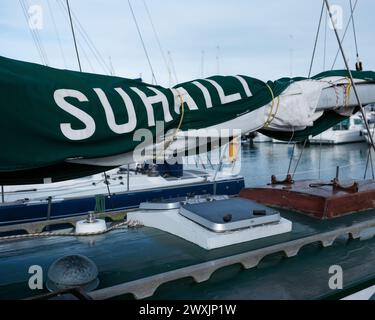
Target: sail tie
(348, 87)
(272, 115)
(182, 116)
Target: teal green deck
(126, 255)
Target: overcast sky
(267, 39)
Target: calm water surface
(261, 160)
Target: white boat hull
(261, 138)
(338, 137)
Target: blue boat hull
(29, 212)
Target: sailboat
(89, 124)
(85, 124)
(119, 189)
(348, 131)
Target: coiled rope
(129, 224)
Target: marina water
(261, 160)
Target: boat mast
(80, 69)
(350, 75)
(74, 36)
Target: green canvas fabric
(328, 119)
(34, 146)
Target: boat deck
(316, 198)
(128, 255)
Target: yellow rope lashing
(347, 92)
(182, 110)
(271, 115)
(182, 115)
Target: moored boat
(117, 189)
(347, 131)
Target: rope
(130, 224)
(182, 116)
(369, 161)
(351, 77)
(142, 41)
(354, 32)
(344, 35)
(182, 108)
(325, 40)
(299, 159)
(347, 93)
(320, 156)
(372, 167)
(271, 115)
(291, 158)
(369, 158)
(316, 40)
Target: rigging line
(325, 41)
(369, 157)
(24, 12)
(299, 159)
(316, 39)
(354, 30)
(369, 160)
(91, 44)
(84, 35)
(292, 155)
(85, 55)
(351, 76)
(291, 158)
(157, 37)
(345, 32)
(113, 73)
(57, 32)
(32, 32)
(74, 36)
(37, 36)
(172, 66)
(143, 43)
(320, 156)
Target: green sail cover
(50, 115)
(329, 118)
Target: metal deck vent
(176, 203)
(230, 214)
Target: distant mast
(74, 36)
